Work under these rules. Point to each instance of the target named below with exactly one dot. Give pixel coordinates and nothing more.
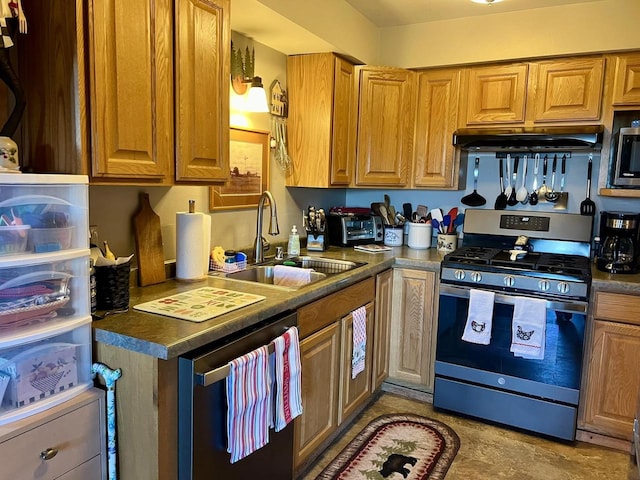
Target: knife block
(316, 242)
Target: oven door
(488, 381)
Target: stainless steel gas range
(512, 310)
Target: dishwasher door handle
(212, 376)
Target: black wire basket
(112, 286)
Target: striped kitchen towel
(288, 381)
(359, 341)
(248, 403)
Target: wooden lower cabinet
(613, 373)
(382, 329)
(330, 397)
(74, 434)
(320, 360)
(412, 327)
(354, 391)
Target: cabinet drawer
(321, 313)
(617, 307)
(91, 470)
(76, 436)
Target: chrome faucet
(260, 245)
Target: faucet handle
(279, 253)
(266, 246)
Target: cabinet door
(614, 379)
(386, 107)
(343, 124)
(497, 94)
(321, 124)
(626, 87)
(411, 356)
(380, 363)
(354, 391)
(202, 49)
(131, 52)
(437, 119)
(320, 360)
(567, 90)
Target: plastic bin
(38, 372)
(49, 239)
(13, 239)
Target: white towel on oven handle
(529, 328)
(479, 317)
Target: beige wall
(600, 26)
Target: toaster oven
(347, 229)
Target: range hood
(534, 139)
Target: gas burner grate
(562, 263)
(472, 255)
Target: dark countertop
(166, 337)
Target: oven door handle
(463, 292)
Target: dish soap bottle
(294, 242)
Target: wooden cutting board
(149, 251)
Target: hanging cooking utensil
(501, 200)
(533, 198)
(552, 196)
(563, 199)
(507, 188)
(522, 195)
(511, 201)
(587, 207)
(544, 189)
(474, 199)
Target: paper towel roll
(193, 235)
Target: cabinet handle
(48, 454)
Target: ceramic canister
(419, 235)
(393, 235)
(447, 242)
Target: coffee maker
(619, 236)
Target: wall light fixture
(242, 77)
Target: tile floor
(492, 453)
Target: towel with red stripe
(359, 341)
(288, 381)
(249, 410)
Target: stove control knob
(563, 287)
(459, 274)
(543, 285)
(476, 277)
(509, 281)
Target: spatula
(512, 200)
(563, 199)
(501, 200)
(587, 207)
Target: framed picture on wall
(249, 171)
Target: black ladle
(474, 199)
(511, 201)
(501, 200)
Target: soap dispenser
(294, 242)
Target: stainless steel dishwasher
(202, 409)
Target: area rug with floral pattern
(396, 446)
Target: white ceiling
(388, 13)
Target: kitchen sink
(321, 266)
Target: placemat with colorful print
(200, 304)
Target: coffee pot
(619, 250)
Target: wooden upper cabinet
(321, 124)
(626, 87)
(436, 121)
(386, 118)
(497, 94)
(131, 65)
(202, 37)
(566, 89)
